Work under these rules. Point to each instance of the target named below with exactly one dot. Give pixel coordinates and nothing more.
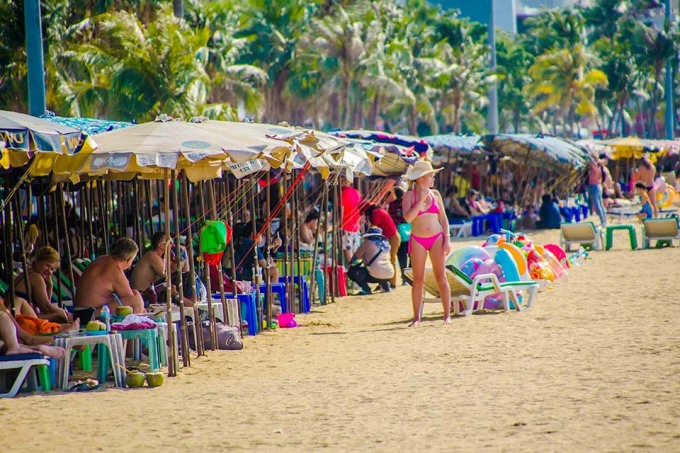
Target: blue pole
(670, 110)
(34, 58)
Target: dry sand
(594, 366)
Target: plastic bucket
(286, 320)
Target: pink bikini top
(432, 209)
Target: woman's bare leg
(418, 259)
(438, 267)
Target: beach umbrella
(25, 136)
(632, 147)
(420, 146)
(149, 149)
(448, 147)
(537, 150)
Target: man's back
(95, 286)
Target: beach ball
(462, 254)
(490, 266)
(492, 240)
(470, 266)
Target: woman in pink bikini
(424, 210)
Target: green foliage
(403, 66)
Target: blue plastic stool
(148, 336)
(248, 310)
(492, 221)
(280, 289)
(302, 281)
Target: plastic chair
(583, 233)
(659, 230)
(28, 365)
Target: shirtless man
(149, 269)
(104, 283)
(646, 173)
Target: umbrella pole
(267, 210)
(213, 321)
(232, 258)
(296, 237)
(103, 216)
(315, 256)
(206, 274)
(86, 218)
(146, 185)
(336, 258)
(286, 232)
(198, 331)
(172, 352)
(186, 361)
(56, 211)
(222, 196)
(9, 252)
(24, 260)
(139, 219)
(257, 270)
(67, 242)
(43, 209)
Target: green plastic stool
(610, 233)
(148, 336)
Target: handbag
(404, 230)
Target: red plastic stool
(342, 279)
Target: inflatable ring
(516, 255)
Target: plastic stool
(110, 352)
(85, 357)
(280, 290)
(610, 233)
(150, 336)
(248, 310)
(163, 343)
(491, 220)
(301, 280)
(320, 284)
(341, 277)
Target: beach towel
(36, 326)
(134, 322)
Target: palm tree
(512, 60)
(562, 82)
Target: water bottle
(106, 317)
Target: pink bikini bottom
(426, 243)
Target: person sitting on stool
(371, 262)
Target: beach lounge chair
(27, 364)
(472, 292)
(659, 230)
(583, 233)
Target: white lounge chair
(659, 230)
(582, 233)
(27, 365)
(472, 292)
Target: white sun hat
(420, 168)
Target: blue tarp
(92, 126)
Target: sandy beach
(594, 366)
